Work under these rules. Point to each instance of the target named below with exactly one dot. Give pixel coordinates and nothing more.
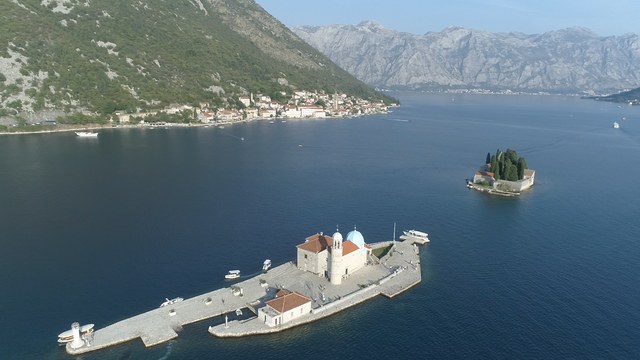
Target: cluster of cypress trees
(506, 165)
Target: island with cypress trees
(504, 173)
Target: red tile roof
(287, 302)
(316, 243)
(348, 247)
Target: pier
(391, 275)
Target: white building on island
(333, 257)
(286, 306)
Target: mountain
(103, 55)
(573, 60)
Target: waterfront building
(286, 306)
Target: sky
(605, 18)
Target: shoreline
(490, 191)
(149, 125)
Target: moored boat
(232, 274)
(67, 336)
(87, 134)
(417, 236)
(266, 265)
(171, 302)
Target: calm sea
(97, 230)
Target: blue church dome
(356, 237)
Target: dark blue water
(99, 230)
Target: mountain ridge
(572, 60)
(101, 56)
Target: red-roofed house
(286, 306)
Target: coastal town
(297, 105)
(301, 105)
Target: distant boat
(616, 125)
(271, 121)
(239, 312)
(67, 336)
(232, 274)
(266, 265)
(171, 302)
(87, 134)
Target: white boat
(232, 274)
(416, 233)
(171, 302)
(616, 125)
(87, 134)
(239, 312)
(67, 336)
(266, 265)
(417, 236)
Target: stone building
(333, 257)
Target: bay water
(98, 230)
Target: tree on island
(506, 165)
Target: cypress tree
(511, 172)
(521, 167)
(488, 161)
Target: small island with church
(329, 274)
(504, 173)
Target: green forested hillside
(106, 55)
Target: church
(332, 256)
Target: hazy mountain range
(573, 60)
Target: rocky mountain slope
(102, 55)
(573, 60)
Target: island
(328, 275)
(504, 173)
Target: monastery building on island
(331, 257)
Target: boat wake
(169, 350)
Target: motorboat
(67, 336)
(266, 265)
(416, 236)
(616, 125)
(238, 312)
(232, 274)
(90, 134)
(171, 302)
(416, 233)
